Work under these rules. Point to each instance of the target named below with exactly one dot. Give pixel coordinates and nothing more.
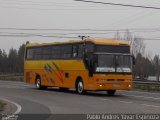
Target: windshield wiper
(121, 69)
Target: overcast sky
(70, 14)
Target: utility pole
(83, 37)
(84, 47)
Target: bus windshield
(114, 63)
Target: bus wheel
(38, 84)
(111, 92)
(80, 87)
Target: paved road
(53, 101)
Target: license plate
(116, 85)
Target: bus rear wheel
(111, 92)
(38, 84)
(80, 87)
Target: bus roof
(98, 41)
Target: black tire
(38, 84)
(111, 92)
(63, 89)
(80, 87)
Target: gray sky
(69, 14)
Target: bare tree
(137, 47)
(156, 61)
(117, 36)
(136, 43)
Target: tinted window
(78, 49)
(75, 50)
(89, 47)
(67, 51)
(30, 53)
(61, 51)
(46, 52)
(112, 49)
(37, 53)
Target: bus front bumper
(111, 86)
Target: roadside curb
(10, 107)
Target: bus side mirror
(134, 60)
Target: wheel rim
(38, 83)
(80, 87)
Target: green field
(2, 104)
(12, 77)
(146, 87)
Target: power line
(67, 4)
(118, 4)
(52, 36)
(133, 18)
(75, 30)
(58, 29)
(40, 3)
(57, 6)
(68, 33)
(61, 36)
(47, 9)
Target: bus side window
(75, 51)
(30, 53)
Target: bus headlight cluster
(101, 85)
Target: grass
(146, 87)
(2, 104)
(11, 77)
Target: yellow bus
(92, 64)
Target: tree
(21, 58)
(137, 48)
(143, 67)
(1, 57)
(117, 36)
(156, 62)
(136, 43)
(12, 60)
(4, 62)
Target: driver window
(75, 50)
